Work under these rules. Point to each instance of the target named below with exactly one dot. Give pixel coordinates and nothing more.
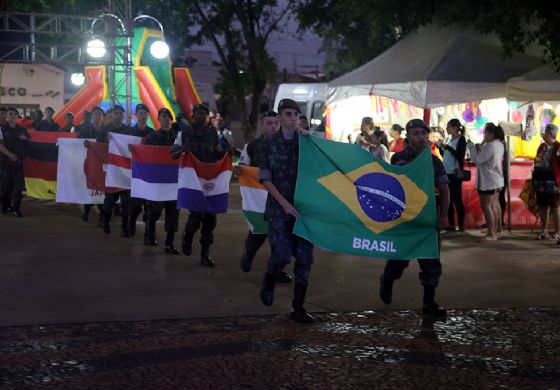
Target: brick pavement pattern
(473, 349)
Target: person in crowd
(48, 124)
(436, 139)
(164, 137)
(454, 163)
(88, 130)
(379, 146)
(37, 118)
(505, 164)
(417, 134)
(278, 173)
(303, 123)
(224, 134)
(12, 179)
(397, 142)
(367, 127)
(86, 125)
(140, 129)
(546, 181)
(490, 179)
(111, 198)
(3, 116)
(25, 121)
(201, 140)
(69, 125)
(253, 242)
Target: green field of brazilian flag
(351, 202)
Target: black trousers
(204, 221)
(253, 243)
(171, 214)
(12, 183)
(111, 199)
(455, 201)
(135, 206)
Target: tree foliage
(356, 31)
(238, 29)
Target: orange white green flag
(253, 199)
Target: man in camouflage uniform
(417, 134)
(269, 126)
(278, 173)
(12, 180)
(202, 141)
(115, 126)
(141, 129)
(164, 137)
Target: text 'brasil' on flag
(351, 202)
(253, 199)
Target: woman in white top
(489, 178)
(379, 145)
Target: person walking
(201, 140)
(278, 173)
(430, 269)
(164, 137)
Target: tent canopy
(436, 66)
(541, 84)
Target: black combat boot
(298, 313)
(107, 222)
(283, 277)
(124, 226)
(430, 306)
(169, 247)
(85, 212)
(186, 243)
(386, 289)
(150, 236)
(205, 256)
(132, 225)
(267, 289)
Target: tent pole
(427, 113)
(508, 170)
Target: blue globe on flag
(381, 196)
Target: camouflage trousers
(206, 222)
(12, 184)
(284, 244)
(171, 214)
(430, 270)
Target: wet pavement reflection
(478, 349)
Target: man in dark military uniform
(141, 129)
(278, 173)
(417, 134)
(12, 180)
(164, 137)
(269, 126)
(89, 130)
(115, 126)
(202, 141)
(48, 124)
(69, 126)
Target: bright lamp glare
(96, 48)
(159, 49)
(77, 79)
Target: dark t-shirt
(203, 143)
(13, 142)
(279, 165)
(45, 125)
(408, 155)
(141, 132)
(161, 138)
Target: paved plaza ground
(83, 310)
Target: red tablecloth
(520, 216)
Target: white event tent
(541, 84)
(436, 66)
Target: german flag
(39, 167)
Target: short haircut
(142, 106)
(552, 129)
(13, 109)
(49, 108)
(3, 109)
(117, 107)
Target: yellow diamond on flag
(380, 199)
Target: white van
(310, 98)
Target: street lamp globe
(159, 49)
(96, 48)
(77, 79)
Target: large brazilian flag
(351, 202)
